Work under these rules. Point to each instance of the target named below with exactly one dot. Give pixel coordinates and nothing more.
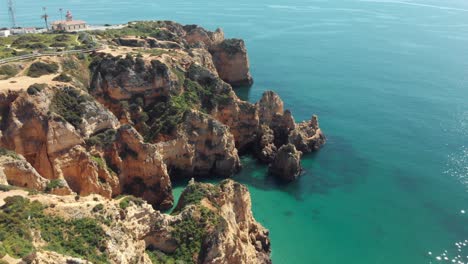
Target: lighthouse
(69, 24)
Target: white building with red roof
(69, 24)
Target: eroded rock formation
(287, 163)
(212, 224)
(162, 108)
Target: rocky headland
(154, 104)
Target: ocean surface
(389, 81)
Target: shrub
(102, 139)
(63, 77)
(38, 69)
(15, 234)
(59, 45)
(34, 46)
(36, 88)
(82, 238)
(6, 188)
(25, 39)
(194, 193)
(53, 184)
(9, 71)
(69, 104)
(190, 233)
(8, 153)
(125, 202)
(98, 208)
(62, 38)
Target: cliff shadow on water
(336, 165)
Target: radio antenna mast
(11, 13)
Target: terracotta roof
(68, 23)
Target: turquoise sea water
(389, 80)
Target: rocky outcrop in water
(287, 163)
(280, 136)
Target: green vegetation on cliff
(38, 69)
(54, 184)
(189, 234)
(69, 104)
(36, 88)
(128, 200)
(8, 153)
(194, 193)
(19, 217)
(139, 29)
(8, 71)
(26, 44)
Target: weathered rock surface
(266, 149)
(287, 163)
(230, 233)
(278, 128)
(143, 172)
(212, 224)
(18, 172)
(215, 150)
(307, 136)
(232, 63)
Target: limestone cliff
(159, 106)
(212, 224)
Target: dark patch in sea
(408, 182)
(453, 222)
(288, 213)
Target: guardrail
(48, 54)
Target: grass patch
(82, 238)
(140, 29)
(28, 43)
(38, 69)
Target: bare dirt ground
(21, 81)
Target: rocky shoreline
(156, 105)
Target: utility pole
(45, 17)
(11, 13)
